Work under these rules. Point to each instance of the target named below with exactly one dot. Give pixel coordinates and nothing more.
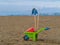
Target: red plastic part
(31, 29)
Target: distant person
(36, 18)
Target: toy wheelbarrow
(33, 34)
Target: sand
(12, 30)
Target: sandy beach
(12, 30)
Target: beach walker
(31, 34)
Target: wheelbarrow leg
(35, 37)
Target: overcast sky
(39, 3)
(18, 5)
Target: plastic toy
(36, 18)
(33, 34)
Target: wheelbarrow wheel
(26, 38)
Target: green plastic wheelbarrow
(33, 35)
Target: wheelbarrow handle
(42, 29)
(47, 28)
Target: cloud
(28, 5)
(25, 0)
(40, 4)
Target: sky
(21, 6)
